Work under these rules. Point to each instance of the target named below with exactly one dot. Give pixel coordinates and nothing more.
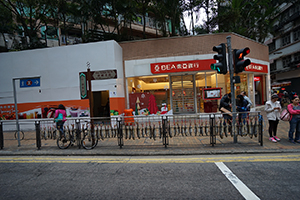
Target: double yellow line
(154, 160)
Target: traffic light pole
(233, 103)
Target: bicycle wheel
(21, 135)
(89, 141)
(62, 142)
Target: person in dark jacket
(226, 103)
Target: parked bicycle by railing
(69, 137)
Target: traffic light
(221, 66)
(239, 62)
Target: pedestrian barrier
(86, 132)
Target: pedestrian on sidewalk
(294, 110)
(285, 101)
(249, 102)
(273, 108)
(241, 107)
(60, 117)
(225, 106)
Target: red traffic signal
(239, 62)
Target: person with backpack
(249, 102)
(242, 106)
(60, 117)
(294, 110)
(273, 108)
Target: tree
(143, 7)
(253, 19)
(193, 6)
(6, 23)
(30, 14)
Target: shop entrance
(183, 95)
(101, 104)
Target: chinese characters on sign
(95, 75)
(83, 90)
(181, 66)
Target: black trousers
(273, 127)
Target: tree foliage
(250, 18)
(98, 20)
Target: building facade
(284, 49)
(156, 75)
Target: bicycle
(68, 138)
(90, 139)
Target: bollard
(164, 126)
(38, 134)
(78, 135)
(120, 133)
(260, 130)
(212, 135)
(1, 136)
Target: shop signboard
(255, 67)
(181, 66)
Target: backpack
(285, 115)
(59, 117)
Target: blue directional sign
(30, 82)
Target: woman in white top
(273, 108)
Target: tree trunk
(4, 41)
(144, 26)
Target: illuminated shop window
(142, 90)
(239, 87)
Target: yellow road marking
(143, 160)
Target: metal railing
(89, 130)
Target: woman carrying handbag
(273, 108)
(294, 110)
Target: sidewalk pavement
(191, 145)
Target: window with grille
(273, 66)
(297, 57)
(271, 46)
(286, 61)
(297, 34)
(286, 40)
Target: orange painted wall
(117, 103)
(23, 107)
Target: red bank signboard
(197, 65)
(181, 66)
(254, 67)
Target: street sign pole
(16, 112)
(89, 80)
(233, 103)
(16, 104)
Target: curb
(90, 153)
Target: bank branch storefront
(187, 87)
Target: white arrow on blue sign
(30, 82)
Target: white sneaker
(272, 139)
(276, 138)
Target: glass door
(183, 96)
